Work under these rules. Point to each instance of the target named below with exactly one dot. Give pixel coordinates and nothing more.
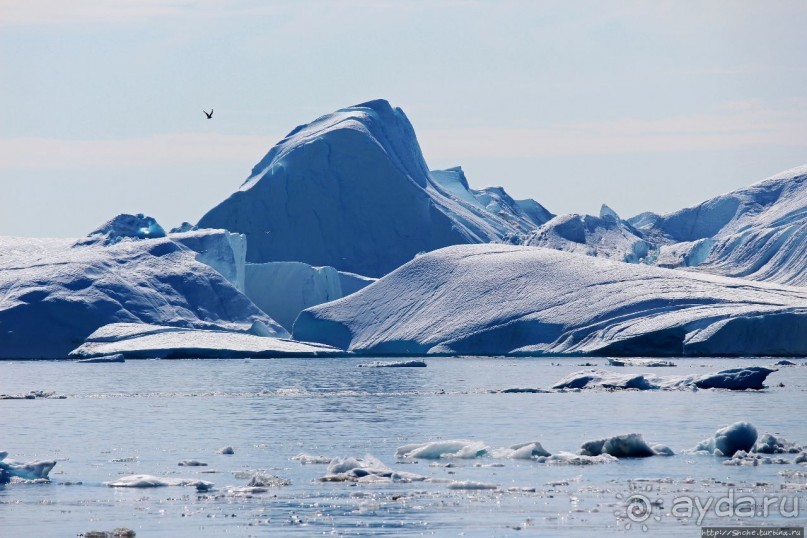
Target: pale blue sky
(642, 105)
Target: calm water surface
(153, 414)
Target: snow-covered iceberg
(758, 232)
(351, 190)
(139, 340)
(502, 299)
(56, 292)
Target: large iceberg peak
(387, 127)
(124, 226)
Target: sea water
(144, 417)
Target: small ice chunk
(263, 480)
(394, 364)
(662, 450)
(454, 448)
(226, 450)
(151, 481)
(470, 484)
(621, 446)
(308, 458)
(367, 469)
(567, 458)
(801, 458)
(730, 439)
(770, 444)
(522, 451)
(192, 463)
(784, 362)
(644, 363)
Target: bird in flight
(208, 114)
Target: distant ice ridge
(284, 289)
(501, 299)
(351, 190)
(757, 232)
(56, 292)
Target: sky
(645, 106)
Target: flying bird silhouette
(210, 114)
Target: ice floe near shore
(555, 302)
(749, 378)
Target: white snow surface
(154, 341)
(56, 292)
(501, 299)
(758, 232)
(351, 190)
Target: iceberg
(504, 299)
(621, 446)
(33, 470)
(394, 364)
(351, 190)
(56, 292)
(145, 341)
(757, 232)
(740, 436)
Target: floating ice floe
(569, 458)
(744, 458)
(771, 444)
(394, 364)
(366, 469)
(750, 378)
(621, 446)
(259, 482)
(784, 362)
(644, 363)
(521, 451)
(192, 463)
(33, 470)
(471, 485)
(226, 450)
(151, 481)
(310, 459)
(729, 440)
(453, 448)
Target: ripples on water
(143, 417)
